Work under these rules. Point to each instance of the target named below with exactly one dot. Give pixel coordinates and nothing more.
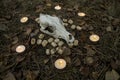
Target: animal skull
(53, 26)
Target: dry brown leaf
(112, 75)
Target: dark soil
(34, 64)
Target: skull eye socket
(49, 28)
(70, 36)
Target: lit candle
(20, 48)
(57, 7)
(81, 14)
(60, 63)
(94, 37)
(24, 19)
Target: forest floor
(86, 61)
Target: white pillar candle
(81, 14)
(60, 63)
(94, 38)
(24, 19)
(20, 48)
(57, 7)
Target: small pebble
(78, 28)
(44, 43)
(56, 40)
(73, 27)
(60, 43)
(52, 51)
(39, 41)
(70, 21)
(47, 51)
(60, 51)
(76, 43)
(64, 20)
(53, 44)
(41, 36)
(33, 40)
(50, 40)
(108, 29)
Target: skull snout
(67, 37)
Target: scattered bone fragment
(56, 40)
(39, 41)
(53, 44)
(44, 43)
(41, 36)
(57, 48)
(50, 40)
(73, 26)
(76, 43)
(60, 51)
(33, 40)
(65, 20)
(37, 20)
(52, 51)
(65, 24)
(70, 21)
(60, 43)
(70, 45)
(47, 51)
(78, 28)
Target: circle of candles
(60, 63)
(20, 48)
(94, 37)
(57, 7)
(81, 14)
(24, 19)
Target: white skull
(53, 26)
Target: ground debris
(9, 76)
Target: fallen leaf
(113, 64)
(3, 27)
(66, 51)
(112, 75)
(77, 62)
(9, 76)
(15, 40)
(30, 75)
(84, 70)
(68, 59)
